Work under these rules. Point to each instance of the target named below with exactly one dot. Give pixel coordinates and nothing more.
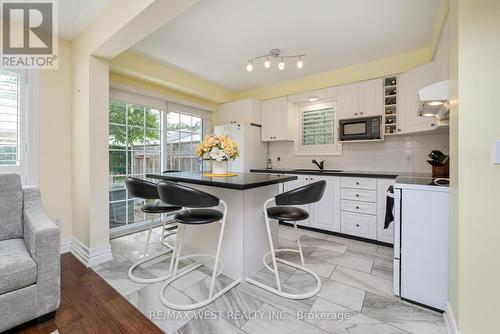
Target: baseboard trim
(66, 244)
(449, 320)
(90, 257)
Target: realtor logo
(29, 34)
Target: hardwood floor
(90, 305)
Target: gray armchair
(29, 255)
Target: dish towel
(389, 208)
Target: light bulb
(249, 66)
(267, 63)
(281, 65)
(300, 63)
(313, 99)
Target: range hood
(435, 100)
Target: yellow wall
(55, 139)
(475, 292)
(141, 84)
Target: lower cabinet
(359, 225)
(325, 214)
(352, 206)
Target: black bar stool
(147, 190)
(285, 211)
(199, 212)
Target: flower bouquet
(219, 149)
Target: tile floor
(356, 285)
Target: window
(318, 131)
(184, 132)
(10, 105)
(146, 140)
(135, 137)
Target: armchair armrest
(43, 241)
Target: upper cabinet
(361, 99)
(243, 111)
(277, 120)
(409, 84)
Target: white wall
(387, 156)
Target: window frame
(28, 129)
(334, 149)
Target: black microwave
(367, 128)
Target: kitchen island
(245, 237)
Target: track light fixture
(275, 54)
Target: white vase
(219, 167)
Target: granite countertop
(388, 175)
(242, 181)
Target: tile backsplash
(405, 153)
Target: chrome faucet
(321, 165)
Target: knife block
(441, 171)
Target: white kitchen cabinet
(361, 99)
(325, 214)
(371, 98)
(409, 85)
(348, 101)
(384, 235)
(243, 111)
(277, 120)
(360, 225)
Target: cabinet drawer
(360, 225)
(359, 195)
(359, 207)
(358, 183)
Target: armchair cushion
(17, 268)
(11, 206)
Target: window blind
(318, 126)
(9, 117)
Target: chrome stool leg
(217, 270)
(278, 291)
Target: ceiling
(75, 15)
(215, 38)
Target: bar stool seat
(287, 213)
(198, 216)
(159, 207)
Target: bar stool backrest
(181, 195)
(307, 194)
(141, 188)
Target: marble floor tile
(268, 324)
(401, 315)
(285, 243)
(234, 301)
(347, 321)
(382, 271)
(315, 263)
(344, 260)
(209, 326)
(386, 250)
(331, 245)
(147, 301)
(115, 274)
(363, 281)
(333, 291)
(291, 306)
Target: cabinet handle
(433, 124)
(357, 207)
(357, 195)
(357, 225)
(399, 130)
(361, 113)
(355, 114)
(357, 183)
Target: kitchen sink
(318, 170)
